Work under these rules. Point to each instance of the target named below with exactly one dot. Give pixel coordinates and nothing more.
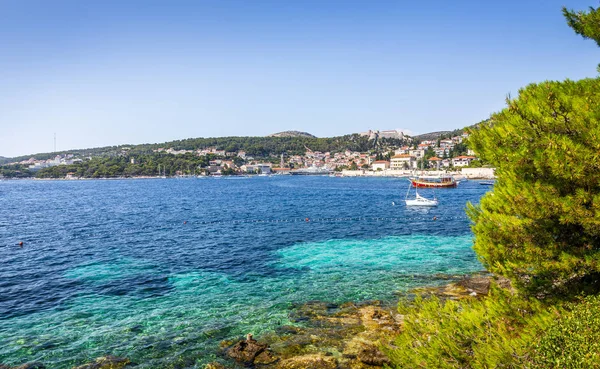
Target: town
(443, 154)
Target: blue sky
(108, 72)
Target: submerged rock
(251, 351)
(28, 366)
(264, 358)
(371, 355)
(341, 336)
(106, 362)
(214, 366)
(314, 361)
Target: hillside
(259, 147)
(292, 134)
(286, 142)
(431, 136)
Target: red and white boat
(434, 181)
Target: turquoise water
(109, 267)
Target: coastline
(324, 335)
(344, 174)
(352, 335)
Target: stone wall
(485, 173)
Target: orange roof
(465, 157)
(435, 158)
(402, 156)
(381, 162)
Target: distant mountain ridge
(431, 136)
(291, 134)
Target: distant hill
(259, 147)
(431, 136)
(287, 142)
(292, 134)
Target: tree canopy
(541, 224)
(586, 24)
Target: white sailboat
(419, 200)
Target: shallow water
(163, 270)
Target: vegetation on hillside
(291, 134)
(540, 227)
(115, 161)
(120, 166)
(259, 147)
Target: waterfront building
(263, 168)
(403, 161)
(280, 170)
(380, 165)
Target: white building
(418, 153)
(435, 162)
(257, 168)
(380, 165)
(462, 161)
(403, 161)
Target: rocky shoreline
(327, 336)
(347, 336)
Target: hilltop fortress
(373, 135)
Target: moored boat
(434, 181)
(421, 201)
(310, 171)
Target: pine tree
(541, 224)
(585, 24)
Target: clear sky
(108, 72)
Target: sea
(158, 269)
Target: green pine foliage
(502, 330)
(496, 332)
(586, 24)
(572, 341)
(541, 224)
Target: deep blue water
(158, 269)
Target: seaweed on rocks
(106, 362)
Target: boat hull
(421, 203)
(417, 183)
